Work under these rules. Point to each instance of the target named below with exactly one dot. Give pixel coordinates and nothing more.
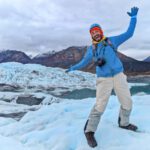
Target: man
(109, 70)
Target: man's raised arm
(118, 40)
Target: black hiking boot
(131, 127)
(90, 139)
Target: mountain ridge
(147, 59)
(70, 56)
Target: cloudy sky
(39, 26)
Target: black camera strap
(105, 43)
(96, 53)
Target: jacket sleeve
(85, 60)
(118, 40)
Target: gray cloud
(39, 26)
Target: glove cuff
(71, 69)
(133, 16)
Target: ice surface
(59, 125)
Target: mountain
(62, 59)
(147, 59)
(73, 55)
(43, 55)
(14, 56)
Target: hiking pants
(104, 87)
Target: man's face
(96, 35)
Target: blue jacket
(113, 64)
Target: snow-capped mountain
(43, 55)
(147, 59)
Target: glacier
(56, 123)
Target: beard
(97, 38)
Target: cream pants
(104, 87)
